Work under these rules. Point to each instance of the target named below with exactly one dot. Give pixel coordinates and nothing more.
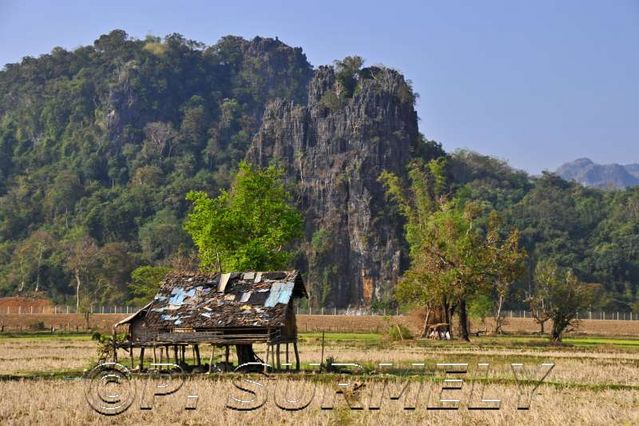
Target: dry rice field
(594, 381)
(310, 323)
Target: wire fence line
(585, 315)
(111, 309)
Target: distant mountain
(605, 176)
(633, 169)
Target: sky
(536, 83)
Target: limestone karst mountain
(604, 176)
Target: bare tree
(81, 259)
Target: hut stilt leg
(198, 360)
(268, 347)
(142, 358)
(131, 353)
(175, 352)
(155, 355)
(226, 355)
(297, 357)
(288, 367)
(277, 357)
(211, 359)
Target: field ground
(310, 323)
(595, 381)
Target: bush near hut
(397, 332)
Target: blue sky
(536, 83)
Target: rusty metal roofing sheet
(248, 300)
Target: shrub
(37, 326)
(399, 332)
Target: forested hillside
(99, 146)
(595, 232)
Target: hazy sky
(534, 82)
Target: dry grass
(589, 385)
(23, 356)
(330, 323)
(62, 402)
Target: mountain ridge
(602, 176)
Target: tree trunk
(77, 290)
(37, 288)
(463, 321)
(499, 320)
(556, 334)
(245, 354)
(449, 312)
(450, 315)
(425, 328)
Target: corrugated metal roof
(233, 300)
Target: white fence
(65, 309)
(110, 309)
(584, 315)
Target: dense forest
(100, 145)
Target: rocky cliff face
(335, 148)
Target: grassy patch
(340, 337)
(593, 341)
(45, 336)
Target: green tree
(558, 296)
(145, 283)
(347, 74)
(453, 257)
(248, 227)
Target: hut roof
(236, 300)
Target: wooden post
(279, 364)
(155, 355)
(142, 358)
(115, 347)
(175, 352)
(297, 356)
(321, 356)
(288, 367)
(211, 359)
(268, 347)
(226, 355)
(131, 353)
(196, 348)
